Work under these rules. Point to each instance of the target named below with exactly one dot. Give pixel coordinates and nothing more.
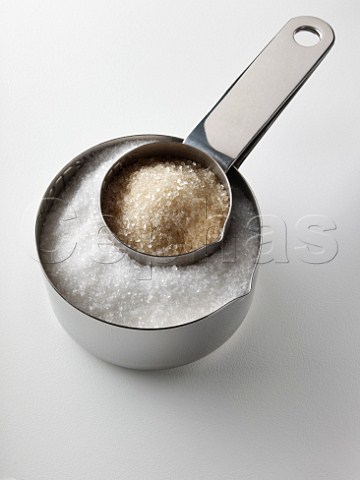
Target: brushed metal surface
(238, 121)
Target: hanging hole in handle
(307, 36)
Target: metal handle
(240, 118)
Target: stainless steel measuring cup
(166, 347)
(232, 128)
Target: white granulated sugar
(92, 274)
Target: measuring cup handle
(240, 118)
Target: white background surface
(281, 399)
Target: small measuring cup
(228, 133)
